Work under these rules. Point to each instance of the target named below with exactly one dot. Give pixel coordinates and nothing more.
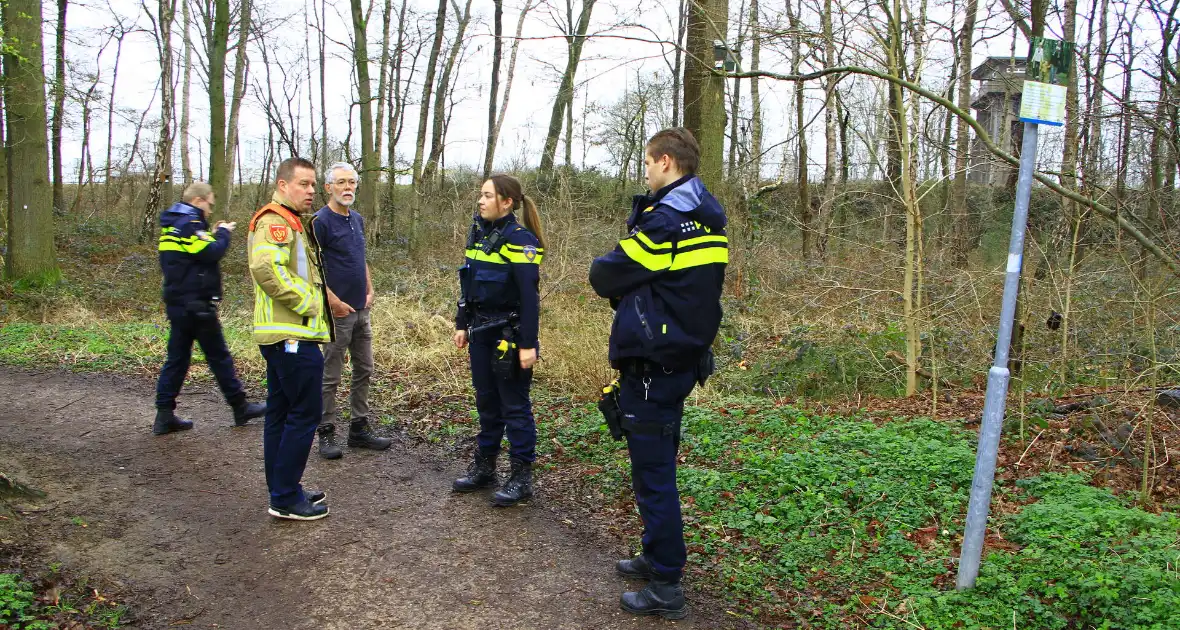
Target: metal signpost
(1042, 103)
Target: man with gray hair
(189, 255)
(340, 231)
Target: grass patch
(130, 346)
(833, 521)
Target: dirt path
(179, 522)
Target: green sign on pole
(1043, 98)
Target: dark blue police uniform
(501, 302)
(189, 256)
(664, 281)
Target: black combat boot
(167, 422)
(662, 598)
(518, 487)
(328, 448)
(247, 411)
(481, 473)
(359, 436)
(637, 567)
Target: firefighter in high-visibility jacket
(291, 320)
(664, 280)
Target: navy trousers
(652, 406)
(294, 403)
(184, 330)
(503, 404)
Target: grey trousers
(354, 334)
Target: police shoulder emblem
(278, 233)
(530, 252)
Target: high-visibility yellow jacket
(289, 298)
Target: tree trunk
(441, 93)
(910, 288)
(528, 6)
(1124, 158)
(241, 71)
(160, 187)
(396, 116)
(111, 118)
(735, 100)
(186, 166)
(314, 143)
(218, 45)
(828, 201)
(1069, 155)
(367, 191)
(565, 91)
(755, 166)
(440, 23)
(30, 195)
(497, 52)
(803, 201)
(86, 162)
(962, 241)
(323, 90)
(678, 67)
(704, 92)
(382, 86)
(59, 102)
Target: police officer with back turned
(190, 252)
(664, 281)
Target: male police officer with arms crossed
(340, 233)
(291, 319)
(664, 281)
(189, 256)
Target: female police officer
(497, 319)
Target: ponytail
(532, 219)
(508, 187)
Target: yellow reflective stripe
(651, 244)
(478, 254)
(172, 245)
(704, 239)
(650, 261)
(699, 257)
(278, 260)
(514, 257)
(291, 328)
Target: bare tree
(755, 160)
(494, 88)
(160, 187)
(217, 42)
(442, 91)
(59, 101)
(367, 197)
(440, 21)
(575, 38)
(962, 244)
(186, 166)
(828, 200)
(495, 134)
(803, 196)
